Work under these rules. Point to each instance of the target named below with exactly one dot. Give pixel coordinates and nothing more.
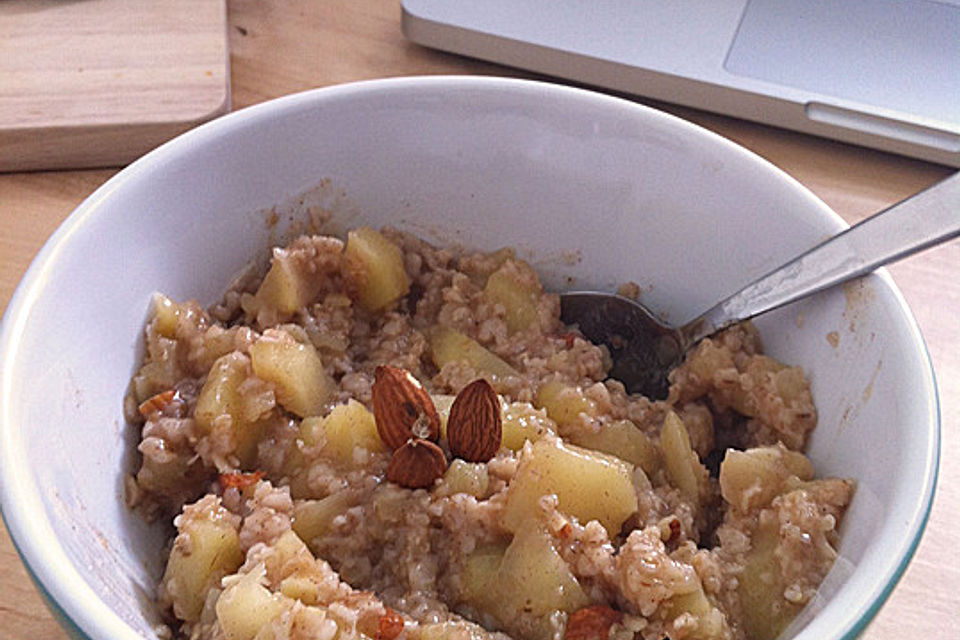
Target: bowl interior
(592, 190)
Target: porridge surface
(600, 515)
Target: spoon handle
(923, 220)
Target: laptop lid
(880, 73)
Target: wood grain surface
(283, 46)
(97, 83)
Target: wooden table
(283, 46)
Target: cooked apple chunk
(167, 315)
(224, 410)
(302, 386)
(245, 607)
(751, 479)
(681, 461)
(206, 548)
(314, 518)
(761, 585)
(449, 345)
(623, 439)
(535, 578)
(288, 285)
(465, 477)
(515, 288)
(220, 394)
(709, 622)
(588, 484)
(523, 422)
(564, 403)
(374, 269)
(346, 428)
(526, 578)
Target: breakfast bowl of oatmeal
(301, 373)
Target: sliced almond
(475, 428)
(417, 464)
(402, 408)
(156, 403)
(239, 480)
(390, 625)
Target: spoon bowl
(642, 348)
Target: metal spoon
(644, 350)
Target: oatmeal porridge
(379, 438)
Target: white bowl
(594, 190)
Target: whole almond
(402, 408)
(474, 428)
(417, 464)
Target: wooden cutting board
(94, 83)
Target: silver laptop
(879, 73)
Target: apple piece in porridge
(523, 423)
(300, 383)
(516, 288)
(565, 404)
(288, 285)
(344, 431)
(588, 485)
(623, 439)
(450, 347)
(206, 549)
(228, 412)
(524, 584)
(682, 464)
(374, 270)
